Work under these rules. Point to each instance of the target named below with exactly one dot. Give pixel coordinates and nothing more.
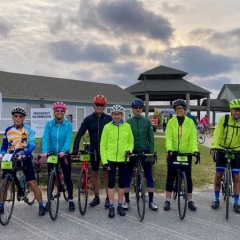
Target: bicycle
(85, 178)
(226, 183)
(13, 165)
(138, 181)
(56, 185)
(200, 136)
(180, 189)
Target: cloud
(74, 52)
(195, 60)
(125, 18)
(5, 27)
(166, 7)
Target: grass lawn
(202, 174)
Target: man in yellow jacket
(227, 136)
(117, 138)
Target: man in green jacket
(143, 142)
(227, 136)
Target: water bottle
(22, 182)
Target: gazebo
(167, 84)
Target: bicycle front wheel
(227, 192)
(53, 196)
(182, 194)
(200, 137)
(29, 194)
(140, 195)
(82, 192)
(7, 196)
(208, 133)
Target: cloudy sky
(113, 41)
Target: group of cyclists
(110, 137)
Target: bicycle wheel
(29, 197)
(140, 195)
(7, 195)
(208, 133)
(201, 137)
(53, 196)
(227, 193)
(63, 188)
(182, 194)
(82, 192)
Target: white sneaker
(153, 206)
(126, 205)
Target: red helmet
(59, 105)
(100, 99)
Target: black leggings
(172, 173)
(112, 174)
(66, 169)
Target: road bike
(180, 189)
(138, 180)
(85, 178)
(15, 175)
(56, 185)
(226, 183)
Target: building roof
(22, 86)
(218, 105)
(233, 88)
(166, 84)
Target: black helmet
(179, 102)
(137, 102)
(19, 110)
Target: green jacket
(185, 144)
(228, 137)
(143, 133)
(115, 140)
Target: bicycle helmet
(59, 105)
(117, 108)
(100, 99)
(179, 102)
(19, 110)
(235, 103)
(137, 102)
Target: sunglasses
(99, 105)
(59, 111)
(137, 107)
(18, 116)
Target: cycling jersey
(57, 137)
(142, 132)
(19, 140)
(115, 140)
(227, 137)
(181, 138)
(94, 124)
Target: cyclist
(180, 136)
(192, 117)
(19, 138)
(116, 138)
(204, 123)
(94, 123)
(143, 143)
(227, 137)
(164, 122)
(57, 138)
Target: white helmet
(117, 108)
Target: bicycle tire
(140, 195)
(7, 193)
(227, 193)
(200, 138)
(82, 192)
(182, 194)
(208, 133)
(29, 197)
(53, 196)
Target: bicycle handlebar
(177, 153)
